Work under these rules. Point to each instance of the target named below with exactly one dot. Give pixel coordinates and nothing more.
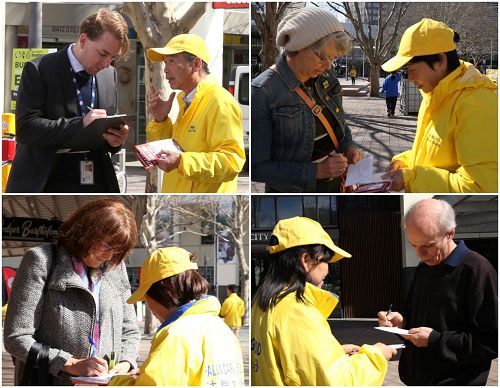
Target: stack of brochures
(148, 152)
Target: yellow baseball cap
(163, 263)
(189, 43)
(298, 231)
(426, 37)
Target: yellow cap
(190, 43)
(298, 231)
(427, 37)
(163, 263)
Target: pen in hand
(389, 310)
(112, 361)
(93, 347)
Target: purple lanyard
(81, 105)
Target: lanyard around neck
(81, 106)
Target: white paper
(397, 346)
(359, 172)
(101, 380)
(395, 330)
(362, 173)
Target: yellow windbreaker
(292, 345)
(196, 349)
(210, 132)
(456, 144)
(232, 310)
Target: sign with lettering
(29, 229)
(20, 57)
(262, 237)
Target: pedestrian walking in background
(292, 343)
(233, 309)
(192, 346)
(72, 296)
(353, 73)
(390, 87)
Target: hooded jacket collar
(323, 300)
(463, 77)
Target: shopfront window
(288, 207)
(265, 212)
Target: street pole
(35, 29)
(216, 240)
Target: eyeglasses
(323, 57)
(106, 248)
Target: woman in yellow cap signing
(192, 346)
(291, 340)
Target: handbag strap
(318, 112)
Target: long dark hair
(286, 275)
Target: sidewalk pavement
(8, 367)
(361, 332)
(372, 131)
(136, 178)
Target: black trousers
(391, 104)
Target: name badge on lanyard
(86, 166)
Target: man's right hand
(386, 350)
(93, 366)
(92, 115)
(159, 108)
(333, 166)
(396, 165)
(393, 319)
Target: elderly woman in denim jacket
(291, 148)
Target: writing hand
(92, 115)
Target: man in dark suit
(60, 94)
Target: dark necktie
(85, 85)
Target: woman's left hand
(121, 368)
(353, 155)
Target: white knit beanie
(301, 28)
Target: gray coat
(64, 317)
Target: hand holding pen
(390, 318)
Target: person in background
(456, 144)
(59, 96)
(294, 149)
(451, 309)
(390, 88)
(72, 296)
(291, 340)
(233, 309)
(192, 346)
(353, 73)
(209, 125)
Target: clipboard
(90, 138)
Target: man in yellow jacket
(208, 126)
(456, 144)
(233, 309)
(291, 340)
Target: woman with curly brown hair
(69, 298)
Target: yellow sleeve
(223, 310)
(314, 356)
(476, 148)
(168, 363)
(403, 157)
(242, 308)
(157, 131)
(225, 138)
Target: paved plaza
(373, 132)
